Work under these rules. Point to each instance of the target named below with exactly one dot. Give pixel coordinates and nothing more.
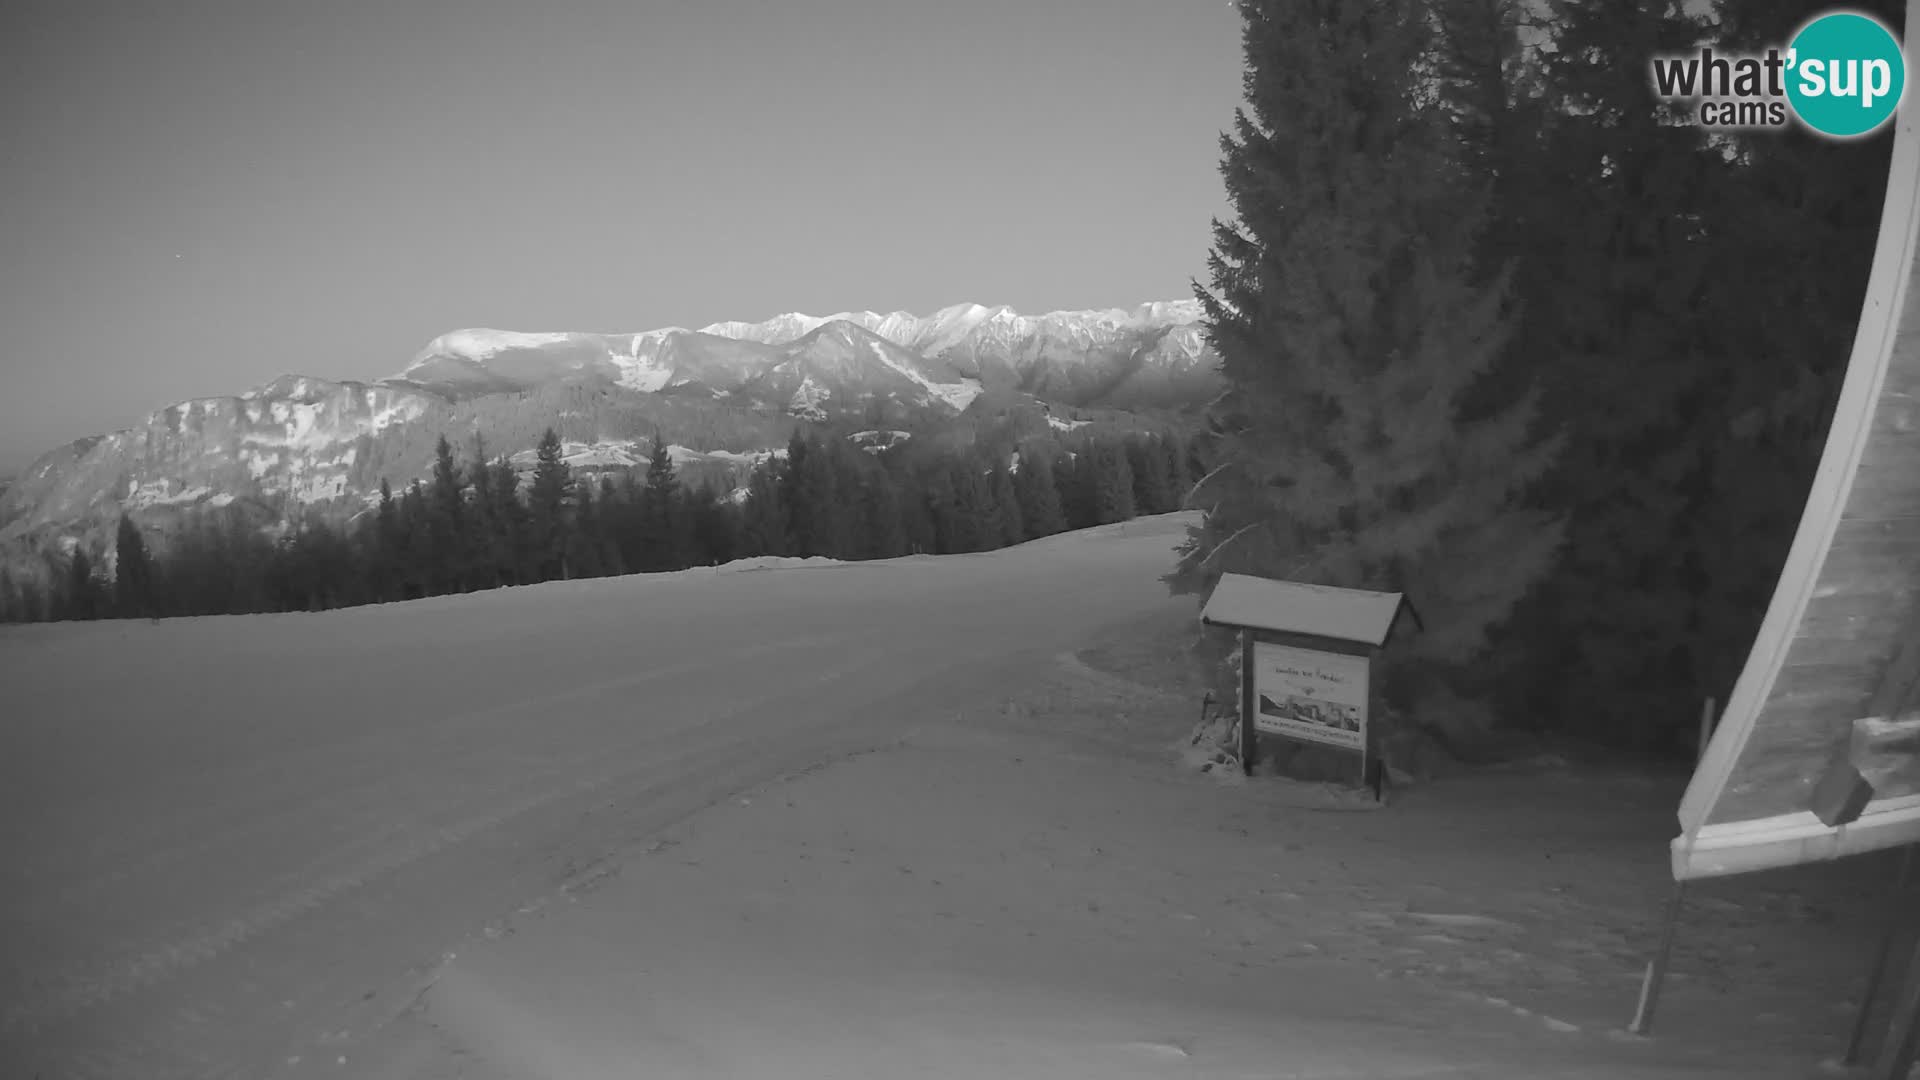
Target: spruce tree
(792, 475)
(1147, 465)
(447, 536)
(547, 506)
(662, 518)
(608, 510)
(510, 522)
(485, 529)
(1072, 480)
(34, 601)
(583, 550)
(1627, 235)
(764, 525)
(1039, 497)
(416, 564)
(1107, 483)
(715, 528)
(132, 572)
(882, 533)
(1345, 311)
(388, 544)
(621, 517)
(82, 594)
(1175, 461)
(974, 526)
(1009, 526)
(947, 533)
(815, 503)
(916, 514)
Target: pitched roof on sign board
(1294, 608)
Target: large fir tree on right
(1351, 322)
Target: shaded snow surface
(877, 821)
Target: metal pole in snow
(1249, 738)
(1657, 967)
(1901, 1044)
(1895, 909)
(1656, 975)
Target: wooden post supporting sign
(1307, 661)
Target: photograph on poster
(1312, 696)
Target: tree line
(1505, 330)
(473, 524)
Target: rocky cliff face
(726, 395)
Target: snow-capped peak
(949, 325)
(479, 343)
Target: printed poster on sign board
(1312, 696)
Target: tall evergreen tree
(1176, 471)
(715, 528)
(916, 510)
(815, 504)
(447, 535)
(132, 572)
(793, 498)
(388, 545)
(764, 518)
(1107, 483)
(486, 529)
(1073, 483)
(1344, 310)
(1039, 498)
(1619, 268)
(583, 548)
(662, 520)
(945, 531)
(1147, 465)
(1009, 526)
(509, 523)
(82, 601)
(882, 533)
(608, 510)
(973, 525)
(547, 506)
(416, 564)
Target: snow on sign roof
(1291, 607)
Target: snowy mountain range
(725, 395)
(1115, 357)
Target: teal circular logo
(1846, 74)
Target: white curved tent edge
(1732, 847)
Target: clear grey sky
(197, 197)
